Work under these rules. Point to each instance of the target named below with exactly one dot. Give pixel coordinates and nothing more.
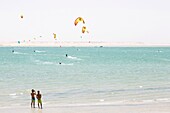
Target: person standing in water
(33, 98)
(39, 99)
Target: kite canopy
(79, 19)
(84, 29)
(54, 36)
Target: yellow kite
(54, 36)
(84, 29)
(79, 19)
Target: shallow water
(86, 76)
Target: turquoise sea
(88, 76)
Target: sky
(145, 21)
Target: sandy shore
(147, 108)
(81, 44)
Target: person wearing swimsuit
(33, 98)
(39, 99)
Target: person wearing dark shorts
(33, 98)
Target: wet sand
(130, 108)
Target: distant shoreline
(81, 44)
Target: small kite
(84, 29)
(54, 36)
(79, 19)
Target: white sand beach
(147, 108)
(83, 44)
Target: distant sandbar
(82, 44)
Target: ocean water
(88, 76)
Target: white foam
(162, 99)
(71, 64)
(92, 104)
(12, 94)
(159, 51)
(148, 101)
(19, 53)
(48, 63)
(73, 58)
(43, 62)
(101, 100)
(140, 86)
(37, 51)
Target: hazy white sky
(106, 20)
